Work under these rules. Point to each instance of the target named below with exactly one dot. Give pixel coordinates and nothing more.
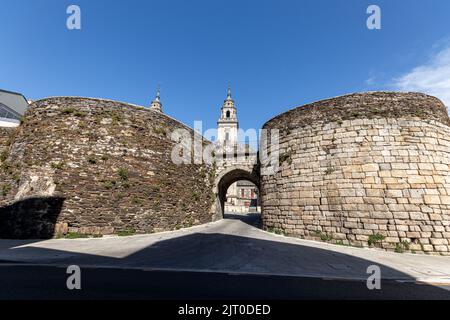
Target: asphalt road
(230, 259)
(46, 282)
(233, 245)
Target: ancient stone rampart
(5, 139)
(363, 169)
(98, 167)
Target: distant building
(12, 107)
(242, 197)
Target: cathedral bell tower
(228, 125)
(156, 104)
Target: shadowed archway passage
(230, 176)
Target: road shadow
(31, 218)
(44, 282)
(219, 253)
(252, 219)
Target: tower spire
(229, 93)
(228, 124)
(158, 93)
(156, 104)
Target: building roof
(14, 101)
(245, 183)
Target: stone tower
(156, 104)
(227, 137)
(228, 125)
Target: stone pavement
(233, 245)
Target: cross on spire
(229, 93)
(158, 93)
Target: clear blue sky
(276, 54)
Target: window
(5, 112)
(227, 136)
(228, 114)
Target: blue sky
(275, 54)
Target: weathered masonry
(361, 166)
(369, 168)
(97, 167)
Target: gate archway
(229, 176)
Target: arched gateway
(231, 167)
(229, 175)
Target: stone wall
(361, 166)
(105, 166)
(5, 139)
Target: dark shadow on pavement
(222, 253)
(252, 219)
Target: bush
(401, 247)
(6, 189)
(57, 165)
(76, 235)
(126, 233)
(92, 159)
(123, 174)
(136, 200)
(375, 238)
(68, 111)
(195, 196)
(6, 168)
(3, 156)
(79, 114)
(326, 237)
(159, 131)
(72, 111)
(116, 118)
(16, 178)
(110, 184)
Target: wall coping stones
(368, 105)
(125, 104)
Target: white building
(12, 107)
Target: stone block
(394, 193)
(438, 241)
(372, 167)
(431, 199)
(441, 248)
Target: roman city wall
(92, 166)
(363, 169)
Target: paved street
(231, 258)
(230, 245)
(30, 282)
